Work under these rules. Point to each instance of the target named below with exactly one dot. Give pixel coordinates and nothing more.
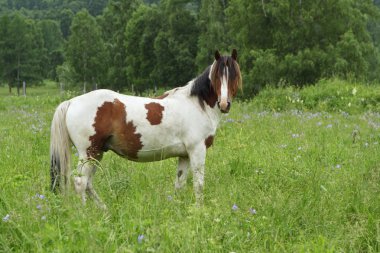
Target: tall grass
(289, 179)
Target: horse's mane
(203, 89)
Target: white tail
(60, 153)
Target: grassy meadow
(290, 171)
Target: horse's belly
(150, 155)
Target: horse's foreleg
(197, 163)
(182, 171)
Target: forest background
(140, 45)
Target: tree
(85, 49)
(53, 41)
(175, 45)
(141, 32)
(113, 23)
(22, 50)
(65, 17)
(307, 38)
(212, 35)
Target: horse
(180, 123)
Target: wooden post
(61, 88)
(24, 88)
(18, 87)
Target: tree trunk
(18, 75)
(263, 6)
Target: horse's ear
(234, 54)
(217, 55)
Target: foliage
(113, 22)
(331, 95)
(212, 34)
(23, 58)
(53, 43)
(175, 46)
(166, 43)
(140, 35)
(309, 40)
(85, 49)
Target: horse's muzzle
(224, 107)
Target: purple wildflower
(40, 196)
(39, 207)
(140, 238)
(235, 207)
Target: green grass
(315, 187)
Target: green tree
(307, 38)
(65, 16)
(113, 23)
(175, 45)
(212, 34)
(21, 50)
(141, 32)
(53, 41)
(85, 49)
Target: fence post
(24, 88)
(61, 88)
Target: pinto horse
(180, 123)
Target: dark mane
(203, 89)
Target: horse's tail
(60, 153)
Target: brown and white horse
(181, 123)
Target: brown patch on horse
(209, 141)
(154, 114)
(163, 96)
(112, 131)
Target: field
(290, 171)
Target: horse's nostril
(228, 105)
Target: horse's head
(225, 78)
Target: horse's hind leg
(81, 179)
(182, 171)
(91, 191)
(83, 182)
